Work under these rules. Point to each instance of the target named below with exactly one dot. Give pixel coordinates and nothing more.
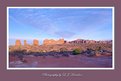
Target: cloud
(65, 34)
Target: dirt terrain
(71, 61)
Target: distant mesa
(79, 41)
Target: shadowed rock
(25, 43)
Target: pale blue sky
(55, 23)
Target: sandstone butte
(53, 42)
(25, 43)
(35, 42)
(45, 42)
(18, 42)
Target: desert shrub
(56, 56)
(20, 56)
(77, 51)
(66, 55)
(36, 54)
(98, 48)
(17, 52)
(90, 52)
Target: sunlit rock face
(53, 42)
(35, 42)
(18, 43)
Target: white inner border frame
(86, 68)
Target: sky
(55, 23)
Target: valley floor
(72, 61)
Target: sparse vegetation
(61, 50)
(77, 51)
(29, 54)
(90, 52)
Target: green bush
(77, 51)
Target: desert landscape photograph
(60, 37)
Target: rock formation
(25, 43)
(18, 43)
(35, 42)
(53, 42)
(61, 41)
(79, 41)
